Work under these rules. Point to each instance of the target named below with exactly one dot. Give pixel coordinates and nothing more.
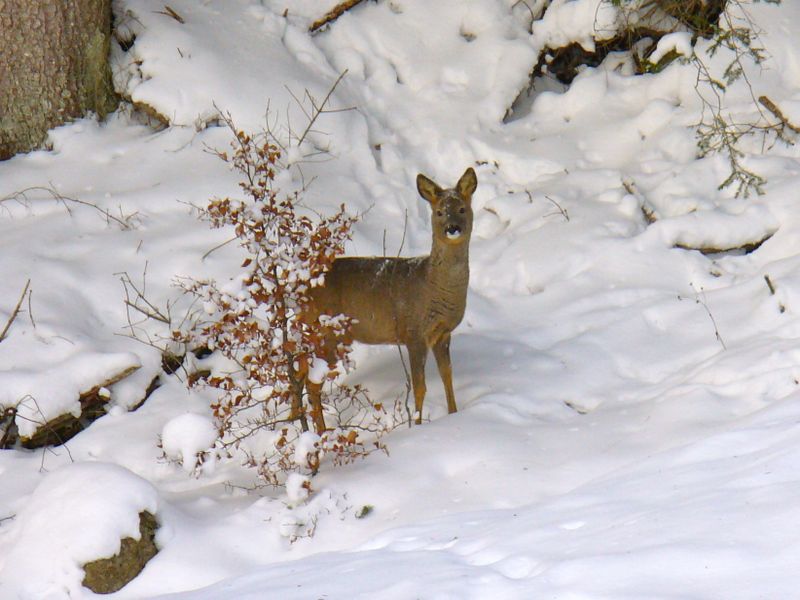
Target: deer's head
(451, 216)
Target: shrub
(256, 322)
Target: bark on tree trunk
(53, 67)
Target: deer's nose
(453, 231)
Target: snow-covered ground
(629, 421)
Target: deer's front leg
(417, 353)
(315, 400)
(441, 350)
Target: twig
(405, 229)
(217, 247)
(8, 518)
(321, 109)
(149, 310)
(124, 223)
(528, 6)
(561, 209)
(400, 350)
(772, 107)
(149, 314)
(702, 302)
(30, 309)
(402, 240)
(15, 312)
(46, 424)
(770, 285)
(534, 16)
(170, 12)
(333, 14)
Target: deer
(415, 302)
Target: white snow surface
(629, 412)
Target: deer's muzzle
(453, 232)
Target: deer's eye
(438, 213)
(461, 210)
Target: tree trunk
(53, 67)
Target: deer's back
(384, 295)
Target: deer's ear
(427, 188)
(467, 184)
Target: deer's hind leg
(441, 350)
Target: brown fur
(415, 302)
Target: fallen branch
(333, 14)
(745, 248)
(15, 312)
(773, 108)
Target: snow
(187, 436)
(297, 487)
(317, 371)
(581, 21)
(628, 407)
(305, 446)
(679, 42)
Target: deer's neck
(448, 267)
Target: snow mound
(186, 436)
(77, 514)
(581, 21)
(185, 71)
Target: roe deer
(416, 301)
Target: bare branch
(140, 303)
(701, 300)
(22, 196)
(15, 312)
(318, 110)
(217, 247)
(561, 210)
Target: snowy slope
(628, 422)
